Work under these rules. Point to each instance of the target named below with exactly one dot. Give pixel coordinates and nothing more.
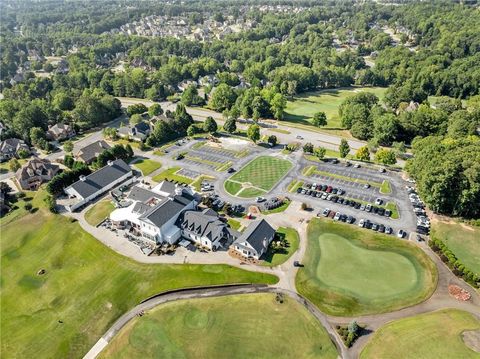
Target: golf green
(440, 334)
(237, 326)
(350, 271)
(258, 176)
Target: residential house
(206, 229)
(10, 147)
(137, 132)
(182, 86)
(254, 241)
(154, 212)
(36, 172)
(60, 131)
(87, 188)
(89, 153)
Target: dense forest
(322, 44)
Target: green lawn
(239, 326)
(170, 175)
(87, 286)
(425, 336)
(349, 271)
(272, 259)
(462, 240)
(99, 212)
(236, 225)
(147, 166)
(258, 176)
(302, 108)
(5, 166)
(385, 188)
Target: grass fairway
(274, 259)
(350, 271)
(257, 177)
(302, 108)
(425, 336)
(99, 212)
(87, 286)
(462, 240)
(240, 326)
(147, 166)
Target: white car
(356, 165)
(378, 201)
(299, 137)
(259, 199)
(337, 216)
(361, 223)
(401, 233)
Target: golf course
(440, 334)
(84, 287)
(245, 325)
(257, 177)
(302, 107)
(350, 271)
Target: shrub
(28, 206)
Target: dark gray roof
(142, 194)
(167, 186)
(91, 151)
(101, 178)
(203, 225)
(142, 127)
(12, 145)
(164, 211)
(256, 234)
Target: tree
(23, 153)
(319, 119)
(129, 151)
(155, 110)
(135, 119)
(36, 135)
(190, 96)
(137, 108)
(363, 154)
(14, 165)
(192, 130)
(353, 327)
(308, 148)
(51, 203)
(272, 140)
(399, 148)
(319, 152)
(222, 98)
(385, 128)
(387, 157)
(210, 125)
(344, 148)
(63, 101)
(230, 125)
(253, 132)
(5, 188)
(68, 146)
(277, 106)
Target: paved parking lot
(188, 173)
(217, 152)
(199, 163)
(352, 189)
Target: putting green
(257, 177)
(237, 326)
(351, 271)
(356, 270)
(426, 336)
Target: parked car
(374, 226)
(388, 230)
(382, 170)
(388, 213)
(350, 219)
(381, 211)
(298, 137)
(297, 264)
(366, 185)
(381, 228)
(260, 199)
(378, 201)
(329, 189)
(337, 216)
(334, 190)
(326, 212)
(361, 223)
(356, 165)
(299, 189)
(362, 207)
(368, 207)
(347, 164)
(401, 233)
(340, 191)
(231, 170)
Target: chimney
(83, 178)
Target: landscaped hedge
(457, 267)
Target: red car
(329, 189)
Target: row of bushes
(457, 267)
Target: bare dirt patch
(471, 338)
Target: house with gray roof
(254, 241)
(10, 148)
(206, 229)
(60, 131)
(137, 132)
(90, 152)
(36, 172)
(87, 188)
